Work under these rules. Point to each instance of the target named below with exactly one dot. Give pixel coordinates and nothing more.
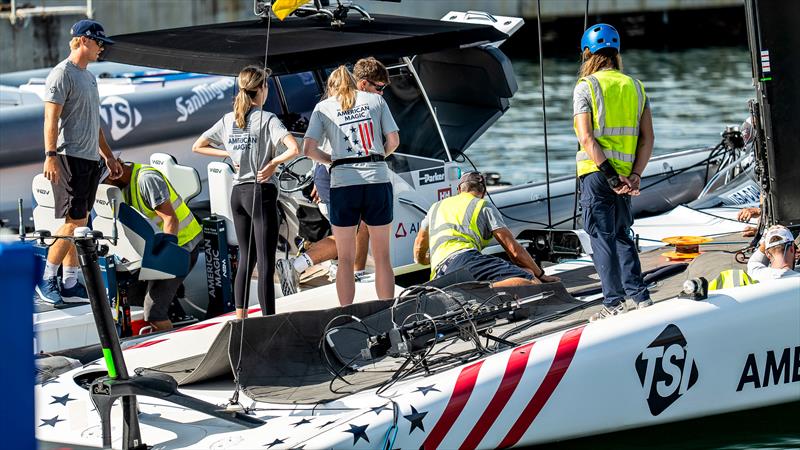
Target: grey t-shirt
(263, 130)
(354, 133)
(155, 192)
(79, 124)
(153, 188)
(582, 99)
(489, 220)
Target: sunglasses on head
(378, 87)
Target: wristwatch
(50, 153)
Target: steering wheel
(290, 181)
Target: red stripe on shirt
(363, 138)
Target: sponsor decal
(431, 176)
(666, 369)
(401, 232)
(443, 193)
(745, 195)
(120, 117)
(203, 94)
(101, 202)
(43, 191)
(216, 267)
(775, 369)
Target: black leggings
(264, 216)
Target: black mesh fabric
(296, 44)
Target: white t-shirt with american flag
(354, 133)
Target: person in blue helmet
(612, 119)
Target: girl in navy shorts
(360, 131)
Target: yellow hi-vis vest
(189, 231)
(729, 279)
(617, 106)
(454, 227)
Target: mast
(774, 40)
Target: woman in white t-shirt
(252, 137)
(361, 132)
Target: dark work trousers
(607, 218)
(263, 235)
(156, 295)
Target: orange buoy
(686, 247)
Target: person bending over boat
(371, 76)
(146, 190)
(775, 256)
(461, 227)
(72, 137)
(361, 132)
(252, 137)
(615, 130)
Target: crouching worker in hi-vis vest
(615, 130)
(455, 231)
(146, 190)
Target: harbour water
(694, 93)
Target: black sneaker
(75, 294)
(49, 291)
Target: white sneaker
(332, 269)
(287, 275)
(644, 304)
(608, 312)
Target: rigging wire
(544, 112)
(234, 400)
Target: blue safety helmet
(600, 36)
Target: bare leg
(362, 246)
(241, 313)
(323, 250)
(346, 249)
(63, 250)
(508, 282)
(384, 276)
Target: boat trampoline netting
(281, 358)
(295, 45)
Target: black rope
(544, 112)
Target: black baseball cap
(473, 176)
(91, 29)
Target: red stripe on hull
(461, 393)
(197, 326)
(514, 370)
(561, 362)
(146, 344)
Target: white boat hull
(737, 350)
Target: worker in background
(614, 126)
(775, 257)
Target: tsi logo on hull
(666, 369)
(119, 115)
